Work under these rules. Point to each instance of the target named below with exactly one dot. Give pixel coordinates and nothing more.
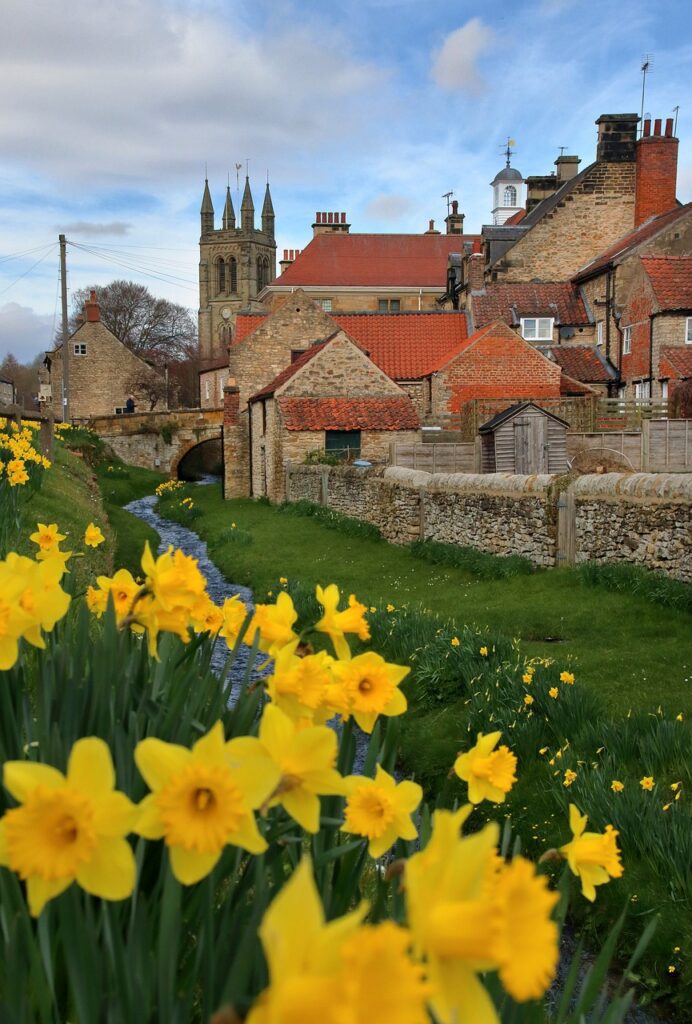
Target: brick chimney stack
(476, 268)
(432, 230)
(330, 223)
(289, 256)
(455, 220)
(656, 171)
(92, 310)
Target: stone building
(102, 373)
(333, 398)
(236, 263)
(6, 391)
(655, 324)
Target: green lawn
(633, 652)
(119, 486)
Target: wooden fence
(437, 458)
(667, 445)
(626, 446)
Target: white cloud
(88, 227)
(24, 332)
(454, 65)
(389, 207)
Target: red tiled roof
(404, 344)
(397, 261)
(581, 362)
(671, 279)
(348, 413)
(245, 323)
(516, 218)
(570, 386)
(560, 300)
(287, 372)
(676, 361)
(631, 240)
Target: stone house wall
(211, 385)
(365, 300)
(598, 210)
(643, 518)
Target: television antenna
(645, 69)
(447, 196)
(675, 111)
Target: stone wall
(643, 518)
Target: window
(388, 305)
(510, 196)
(120, 410)
(221, 387)
(262, 272)
(80, 349)
(688, 330)
(599, 332)
(326, 305)
(221, 276)
(232, 275)
(642, 390)
(664, 390)
(207, 389)
(626, 341)
(343, 442)
(537, 328)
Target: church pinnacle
(247, 209)
(207, 210)
(228, 211)
(268, 214)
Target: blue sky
(111, 110)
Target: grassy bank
(120, 485)
(632, 651)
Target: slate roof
(676, 361)
(507, 414)
(268, 390)
(616, 252)
(583, 363)
(368, 260)
(560, 300)
(671, 280)
(404, 344)
(348, 413)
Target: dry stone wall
(644, 518)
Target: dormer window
(538, 328)
(510, 196)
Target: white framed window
(537, 328)
(688, 330)
(80, 348)
(600, 331)
(326, 305)
(510, 196)
(220, 387)
(207, 389)
(626, 341)
(642, 390)
(664, 390)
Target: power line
(25, 252)
(181, 282)
(50, 249)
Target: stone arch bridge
(158, 440)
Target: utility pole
(65, 346)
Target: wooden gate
(566, 528)
(530, 445)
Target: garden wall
(643, 518)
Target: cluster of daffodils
(168, 487)
(20, 462)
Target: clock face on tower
(226, 313)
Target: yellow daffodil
(68, 828)
(647, 782)
(543, 750)
(173, 578)
(42, 597)
(47, 536)
(302, 760)
(234, 615)
(483, 651)
(302, 687)
(675, 786)
(468, 914)
(527, 678)
(274, 622)
(678, 717)
(553, 692)
(617, 786)
(455, 641)
(594, 857)
(303, 954)
(122, 587)
(567, 677)
(206, 617)
(391, 608)
(380, 809)
(371, 688)
(201, 801)
(337, 623)
(569, 778)
(374, 953)
(14, 621)
(489, 773)
(528, 699)
(93, 536)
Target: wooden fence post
(646, 445)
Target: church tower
(235, 264)
(508, 190)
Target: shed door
(530, 449)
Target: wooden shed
(524, 439)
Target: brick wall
(657, 167)
(636, 314)
(598, 210)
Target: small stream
(219, 589)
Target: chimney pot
(318, 218)
(669, 128)
(285, 254)
(455, 207)
(324, 217)
(657, 126)
(431, 225)
(476, 245)
(343, 218)
(92, 310)
(647, 127)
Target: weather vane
(508, 151)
